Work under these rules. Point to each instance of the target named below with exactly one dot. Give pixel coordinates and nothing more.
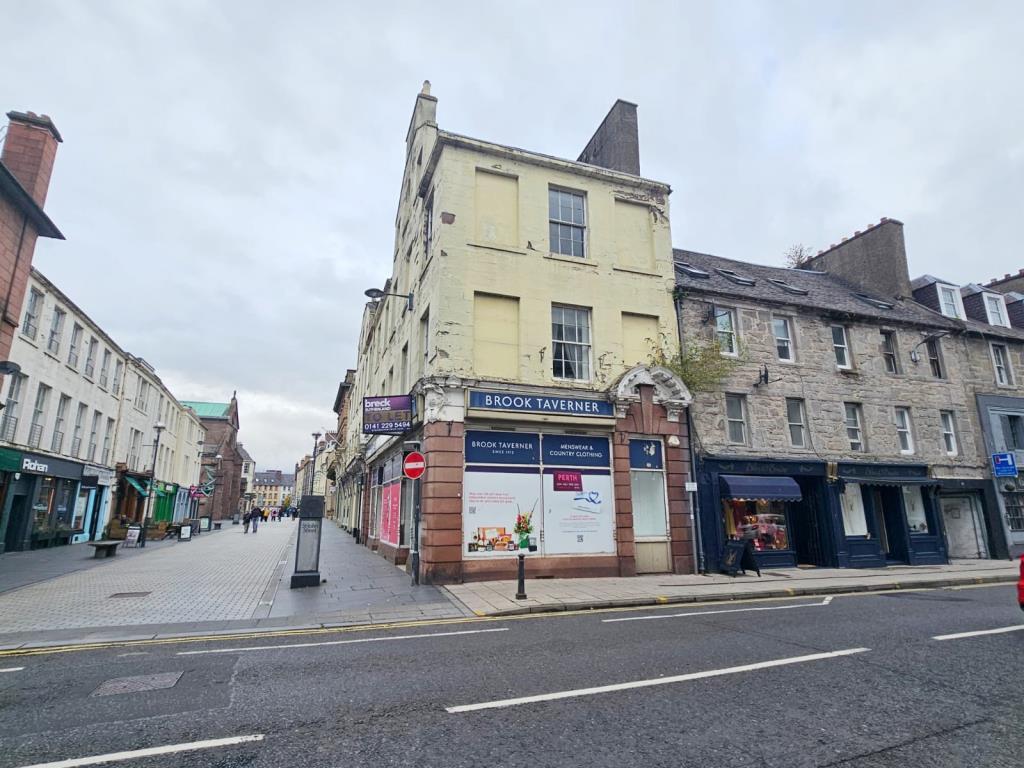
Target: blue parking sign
(1004, 464)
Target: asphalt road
(774, 691)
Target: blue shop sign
(576, 451)
(646, 454)
(531, 403)
(502, 448)
(1004, 464)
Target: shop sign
(576, 451)
(387, 415)
(502, 448)
(567, 480)
(47, 465)
(646, 454)
(103, 475)
(533, 403)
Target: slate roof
(208, 410)
(274, 477)
(815, 290)
(243, 453)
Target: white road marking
(12, 669)
(133, 653)
(339, 642)
(826, 601)
(979, 633)
(170, 749)
(655, 681)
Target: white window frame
(947, 423)
(730, 333)
(587, 346)
(958, 301)
(1001, 364)
(855, 425)
(555, 243)
(935, 361)
(742, 421)
(802, 424)
(845, 346)
(33, 307)
(787, 339)
(1002, 318)
(904, 429)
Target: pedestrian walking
(245, 522)
(257, 516)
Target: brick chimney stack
(30, 148)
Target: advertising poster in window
(492, 497)
(579, 514)
(390, 505)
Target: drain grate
(137, 684)
(131, 594)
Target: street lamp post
(213, 493)
(311, 519)
(159, 427)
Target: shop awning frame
(888, 481)
(759, 487)
(137, 486)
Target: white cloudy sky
(230, 169)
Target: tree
(798, 255)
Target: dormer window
(950, 303)
(788, 287)
(692, 271)
(737, 278)
(995, 309)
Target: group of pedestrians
(256, 516)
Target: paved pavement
(854, 682)
(224, 581)
(497, 598)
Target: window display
(763, 522)
(913, 502)
(854, 520)
(41, 506)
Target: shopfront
(95, 496)
(798, 513)
(45, 509)
(10, 464)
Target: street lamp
(159, 427)
(311, 519)
(213, 493)
(377, 293)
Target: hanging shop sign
(387, 415)
(522, 402)
(502, 448)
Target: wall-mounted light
(377, 293)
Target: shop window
(42, 505)
(841, 347)
(1014, 501)
(855, 521)
(647, 484)
(783, 338)
(913, 503)
(762, 522)
(889, 352)
(736, 419)
(725, 331)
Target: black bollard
(521, 593)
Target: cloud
(230, 170)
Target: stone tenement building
(29, 149)
(537, 287)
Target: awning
(758, 487)
(10, 461)
(894, 481)
(137, 486)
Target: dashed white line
(653, 682)
(826, 601)
(12, 669)
(340, 642)
(170, 749)
(980, 633)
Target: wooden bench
(105, 548)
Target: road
(738, 684)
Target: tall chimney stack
(30, 148)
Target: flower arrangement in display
(523, 528)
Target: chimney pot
(426, 88)
(857, 233)
(883, 220)
(831, 246)
(845, 239)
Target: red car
(1020, 585)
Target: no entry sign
(414, 465)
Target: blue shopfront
(816, 513)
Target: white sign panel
(491, 502)
(580, 519)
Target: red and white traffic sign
(414, 465)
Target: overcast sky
(230, 170)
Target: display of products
(763, 522)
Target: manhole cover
(130, 594)
(137, 684)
